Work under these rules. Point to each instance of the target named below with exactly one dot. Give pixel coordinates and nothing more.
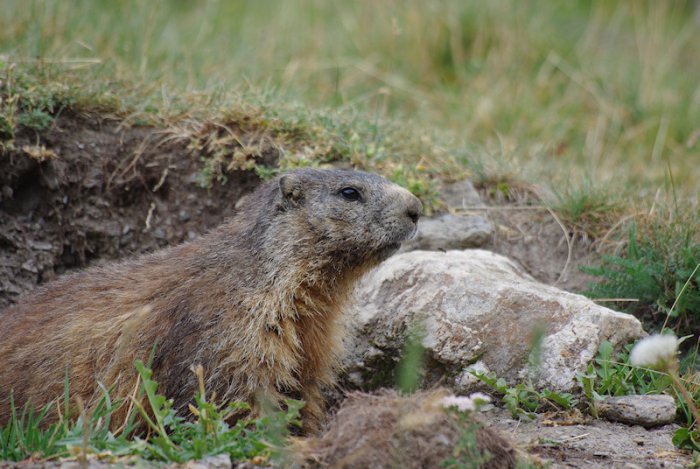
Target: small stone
(460, 195)
(649, 410)
(159, 233)
(466, 381)
(355, 378)
(7, 192)
(30, 266)
(40, 246)
(450, 232)
(183, 216)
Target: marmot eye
(350, 193)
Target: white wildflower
(655, 351)
(466, 403)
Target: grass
(599, 89)
(155, 433)
(596, 99)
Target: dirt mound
(89, 190)
(386, 430)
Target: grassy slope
(599, 90)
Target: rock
(477, 310)
(460, 195)
(649, 410)
(449, 231)
(30, 266)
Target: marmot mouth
(389, 249)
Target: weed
(660, 270)
(26, 101)
(410, 368)
(465, 452)
(611, 374)
(523, 399)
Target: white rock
(478, 309)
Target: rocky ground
(567, 441)
(91, 191)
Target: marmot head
(350, 214)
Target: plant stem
(673, 372)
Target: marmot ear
(291, 189)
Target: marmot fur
(256, 302)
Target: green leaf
(685, 438)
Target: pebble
(461, 195)
(649, 410)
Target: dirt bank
(89, 190)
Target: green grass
(153, 432)
(660, 271)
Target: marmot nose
(414, 210)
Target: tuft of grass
(158, 434)
(659, 269)
(466, 453)
(585, 208)
(26, 103)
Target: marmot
(256, 302)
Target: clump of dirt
(386, 430)
(91, 189)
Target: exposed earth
(91, 190)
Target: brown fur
(256, 301)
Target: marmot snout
(256, 301)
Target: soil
(91, 190)
(549, 252)
(102, 192)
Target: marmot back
(256, 301)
